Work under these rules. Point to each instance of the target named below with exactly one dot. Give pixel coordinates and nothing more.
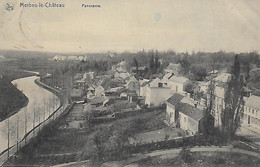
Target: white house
(172, 116)
(133, 85)
(219, 105)
(143, 88)
(189, 118)
(99, 91)
(174, 69)
(252, 112)
(157, 95)
(177, 84)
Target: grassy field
(57, 144)
(207, 159)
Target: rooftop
(175, 99)
(253, 101)
(172, 66)
(98, 100)
(178, 79)
(223, 77)
(190, 111)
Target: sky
(132, 25)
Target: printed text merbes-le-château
(41, 5)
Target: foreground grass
(203, 159)
(55, 145)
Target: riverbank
(11, 99)
(41, 106)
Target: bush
(186, 155)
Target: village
(140, 105)
(183, 110)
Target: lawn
(158, 135)
(206, 159)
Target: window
(184, 119)
(160, 85)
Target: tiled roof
(175, 99)
(172, 66)
(190, 111)
(253, 101)
(98, 100)
(224, 77)
(178, 79)
(145, 83)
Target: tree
(152, 63)
(207, 124)
(156, 62)
(136, 65)
(200, 73)
(233, 100)
(185, 64)
(189, 87)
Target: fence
(63, 108)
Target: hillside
(11, 99)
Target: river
(41, 104)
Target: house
(184, 113)
(222, 79)
(189, 118)
(177, 84)
(76, 94)
(219, 105)
(220, 82)
(172, 116)
(122, 75)
(78, 76)
(123, 95)
(252, 112)
(132, 97)
(156, 96)
(91, 89)
(157, 82)
(90, 95)
(99, 91)
(113, 91)
(133, 85)
(143, 88)
(80, 84)
(88, 75)
(141, 70)
(174, 69)
(98, 101)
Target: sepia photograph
(130, 83)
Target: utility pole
(8, 135)
(17, 133)
(33, 120)
(25, 125)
